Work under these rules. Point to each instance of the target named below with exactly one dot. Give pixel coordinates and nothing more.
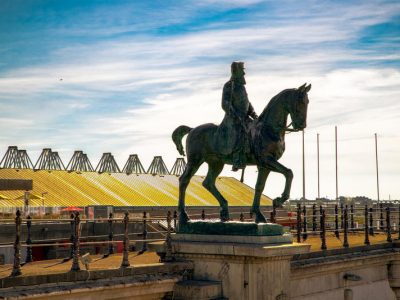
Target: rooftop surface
(119, 189)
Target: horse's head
(297, 107)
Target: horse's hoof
(277, 203)
(183, 218)
(260, 218)
(224, 215)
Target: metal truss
(107, 164)
(49, 160)
(16, 159)
(80, 162)
(133, 165)
(179, 167)
(158, 166)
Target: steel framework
(158, 166)
(133, 165)
(107, 164)
(80, 162)
(178, 167)
(49, 160)
(16, 159)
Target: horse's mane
(271, 104)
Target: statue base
(230, 228)
(247, 267)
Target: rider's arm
(227, 97)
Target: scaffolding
(49, 160)
(107, 164)
(79, 162)
(16, 159)
(133, 165)
(178, 167)
(158, 166)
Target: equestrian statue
(242, 139)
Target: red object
(72, 208)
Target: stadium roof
(65, 188)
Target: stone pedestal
(248, 267)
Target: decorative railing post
(352, 218)
(323, 232)
(16, 270)
(371, 221)
(71, 238)
(314, 218)
(320, 220)
(341, 216)
(381, 216)
(398, 225)
(144, 246)
(168, 243)
(175, 219)
(305, 235)
(203, 215)
(388, 225)
(125, 253)
(110, 234)
(29, 257)
(366, 229)
(75, 257)
(241, 217)
(345, 228)
(298, 223)
(273, 214)
(336, 221)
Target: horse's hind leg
(261, 179)
(191, 168)
(214, 169)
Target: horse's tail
(177, 136)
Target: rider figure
(238, 111)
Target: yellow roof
(90, 188)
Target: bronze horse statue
(266, 139)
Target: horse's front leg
(275, 166)
(261, 179)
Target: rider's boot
(238, 160)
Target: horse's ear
(301, 88)
(308, 88)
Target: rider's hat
(236, 65)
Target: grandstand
(79, 187)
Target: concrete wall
(357, 275)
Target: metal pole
(366, 229)
(318, 163)
(304, 173)
(29, 257)
(298, 223)
(144, 246)
(336, 162)
(388, 225)
(75, 258)
(305, 235)
(336, 221)
(168, 241)
(110, 234)
(345, 228)
(376, 163)
(17, 246)
(371, 221)
(125, 254)
(323, 232)
(71, 238)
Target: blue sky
(119, 76)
